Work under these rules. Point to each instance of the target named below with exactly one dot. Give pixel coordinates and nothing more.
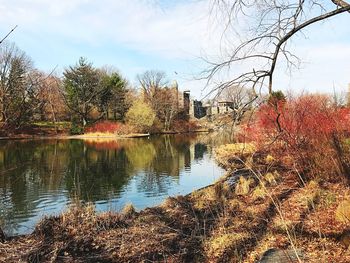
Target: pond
(42, 177)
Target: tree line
(83, 95)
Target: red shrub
(298, 121)
(104, 127)
(308, 128)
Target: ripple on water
(53, 174)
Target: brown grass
(215, 224)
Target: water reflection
(42, 177)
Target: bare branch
(295, 30)
(270, 27)
(9, 33)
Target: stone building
(220, 107)
(199, 110)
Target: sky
(168, 35)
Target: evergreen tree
(82, 89)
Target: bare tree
(239, 99)
(55, 101)
(265, 42)
(16, 89)
(167, 105)
(163, 99)
(50, 103)
(151, 82)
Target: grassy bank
(260, 207)
(37, 130)
(64, 130)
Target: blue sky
(169, 35)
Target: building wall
(197, 109)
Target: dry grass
(271, 178)
(220, 223)
(269, 159)
(259, 192)
(342, 214)
(234, 153)
(226, 244)
(235, 148)
(128, 211)
(243, 186)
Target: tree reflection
(93, 174)
(39, 175)
(172, 157)
(199, 150)
(28, 170)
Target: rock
(275, 255)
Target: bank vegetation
(85, 99)
(285, 196)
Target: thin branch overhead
(264, 42)
(9, 33)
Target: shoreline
(210, 224)
(94, 136)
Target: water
(42, 177)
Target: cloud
(167, 32)
(323, 68)
(145, 26)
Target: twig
(13, 29)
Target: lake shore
(237, 219)
(65, 136)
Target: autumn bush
(103, 127)
(141, 116)
(310, 128)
